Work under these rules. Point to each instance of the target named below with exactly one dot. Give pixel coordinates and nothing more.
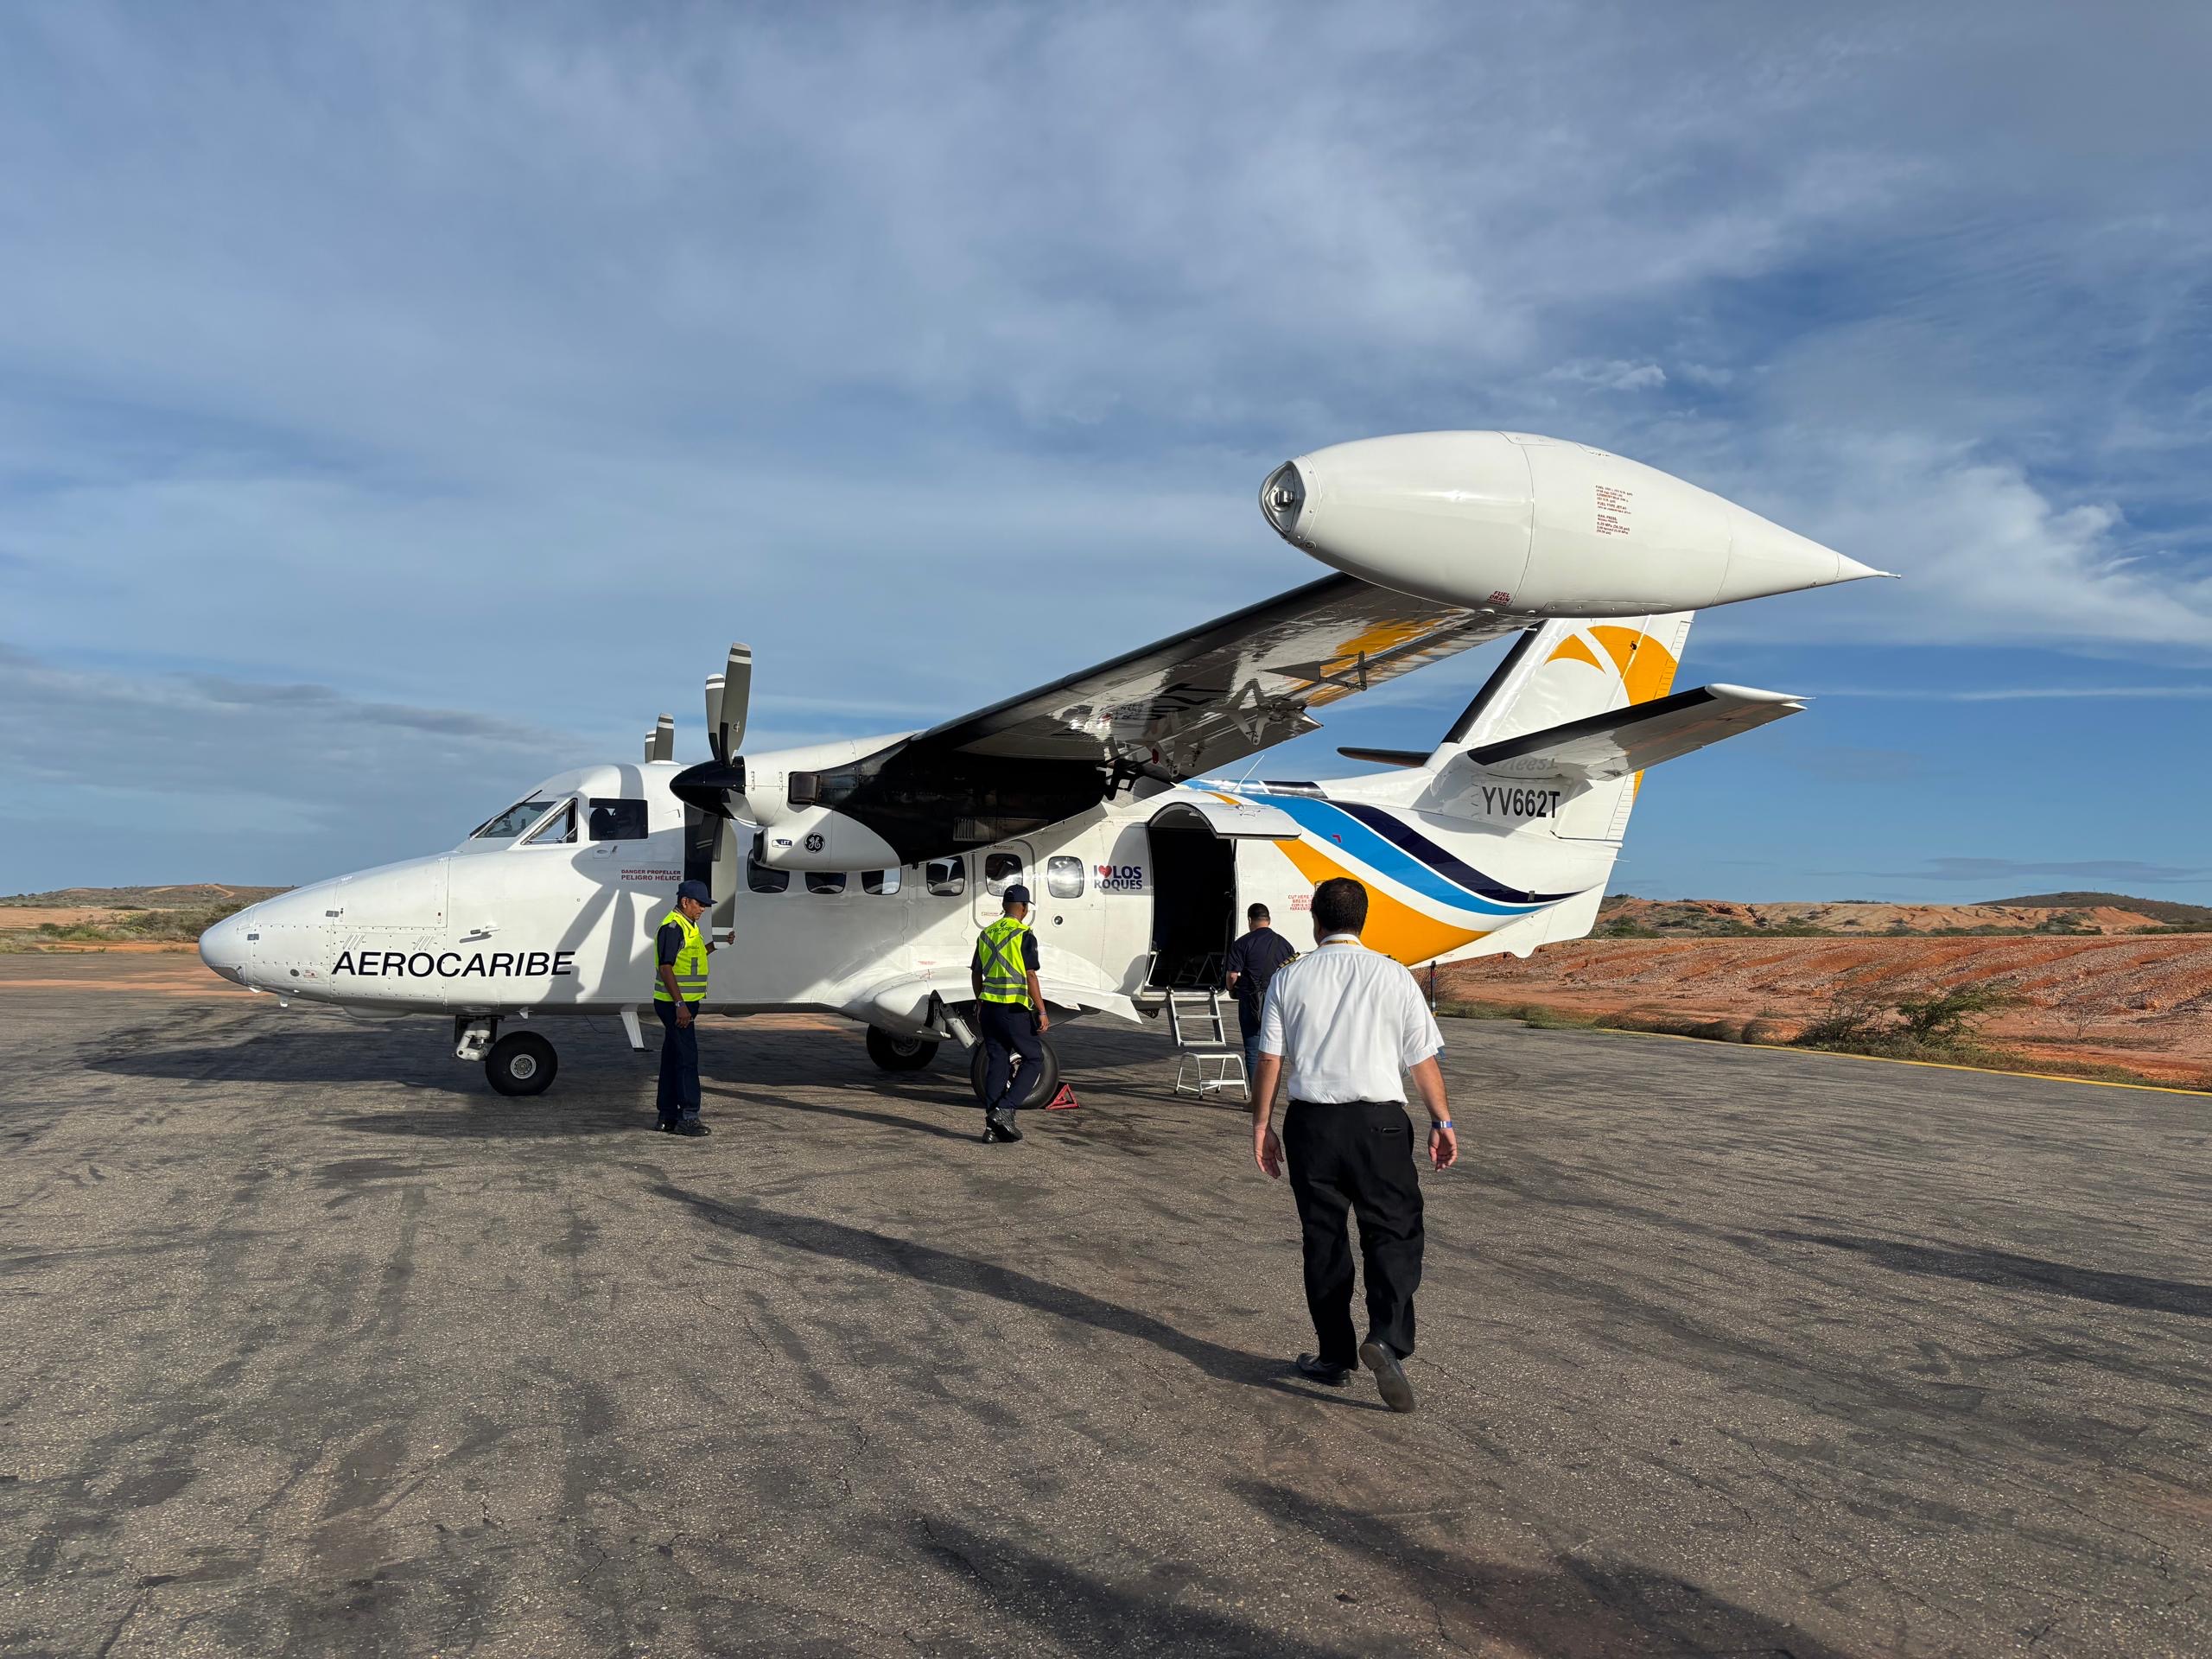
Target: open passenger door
(1193, 841)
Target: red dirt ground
(2145, 1004)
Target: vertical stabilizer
(1569, 669)
(1562, 671)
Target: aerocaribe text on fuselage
(851, 876)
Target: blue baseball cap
(695, 890)
(1016, 894)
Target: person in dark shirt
(1252, 964)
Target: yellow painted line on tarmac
(1891, 1059)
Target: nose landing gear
(520, 1063)
(898, 1053)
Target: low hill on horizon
(2164, 910)
(191, 895)
(1625, 916)
(145, 918)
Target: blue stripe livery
(1387, 843)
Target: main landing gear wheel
(898, 1053)
(1044, 1080)
(521, 1062)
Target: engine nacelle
(820, 838)
(1524, 525)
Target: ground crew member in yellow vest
(681, 950)
(1004, 976)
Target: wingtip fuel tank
(1514, 522)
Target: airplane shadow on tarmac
(928, 1265)
(2009, 1272)
(884, 1119)
(1064, 1602)
(1572, 1605)
(297, 1057)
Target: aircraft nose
(225, 948)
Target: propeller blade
(728, 729)
(649, 747)
(714, 717)
(665, 738)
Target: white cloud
(295, 778)
(1988, 556)
(516, 362)
(1615, 375)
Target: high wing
(1182, 707)
(1200, 700)
(1629, 740)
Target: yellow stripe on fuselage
(1393, 927)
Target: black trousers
(678, 1095)
(1357, 1159)
(1009, 1029)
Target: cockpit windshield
(513, 821)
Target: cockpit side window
(617, 819)
(513, 821)
(556, 830)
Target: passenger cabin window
(1064, 877)
(513, 821)
(1001, 871)
(558, 828)
(758, 877)
(948, 877)
(825, 881)
(617, 820)
(884, 882)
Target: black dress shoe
(691, 1126)
(1314, 1369)
(1390, 1379)
(999, 1128)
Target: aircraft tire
(898, 1053)
(1047, 1083)
(521, 1062)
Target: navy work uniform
(680, 980)
(1251, 964)
(1012, 1012)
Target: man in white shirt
(1350, 1024)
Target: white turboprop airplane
(851, 877)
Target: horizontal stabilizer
(1388, 757)
(1643, 734)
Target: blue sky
(399, 403)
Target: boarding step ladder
(1208, 1062)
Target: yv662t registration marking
(1519, 801)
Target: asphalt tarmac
(310, 1343)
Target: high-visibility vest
(690, 961)
(999, 957)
